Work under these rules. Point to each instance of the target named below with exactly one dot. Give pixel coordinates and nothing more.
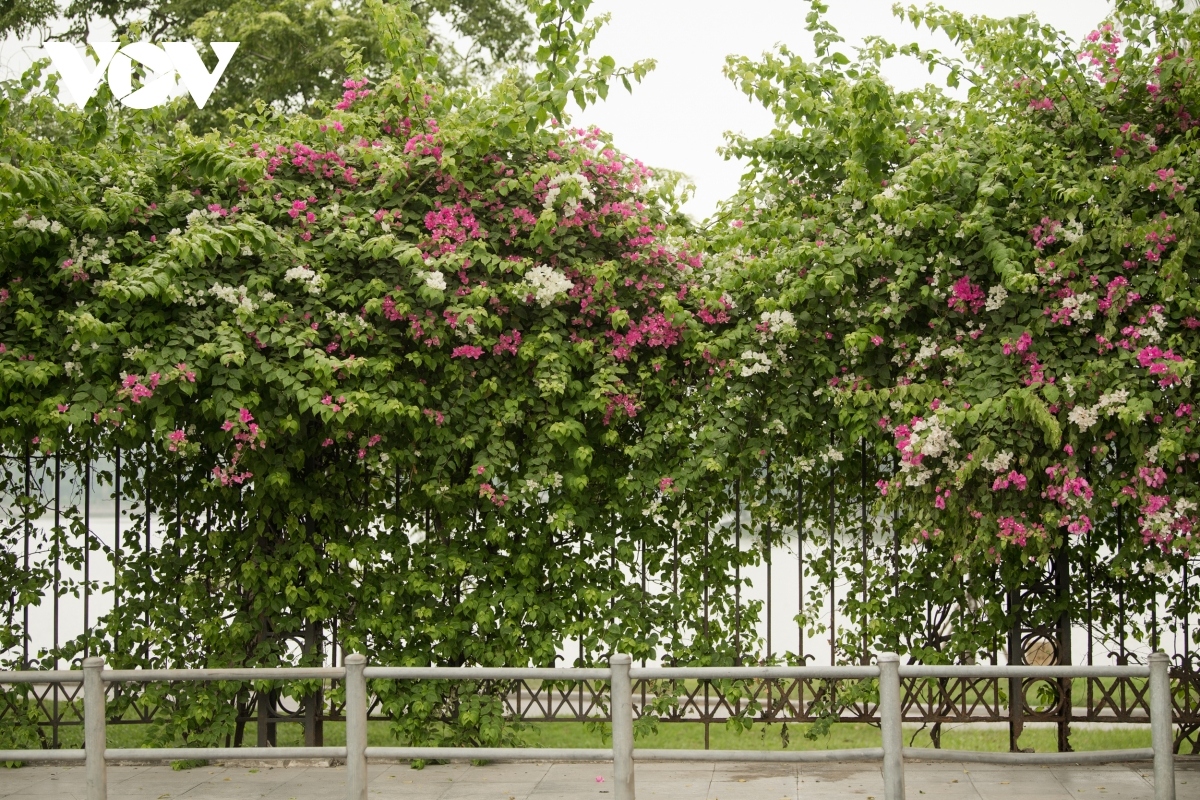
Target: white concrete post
(889, 724)
(622, 726)
(356, 727)
(95, 711)
(1161, 737)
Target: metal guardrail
(620, 674)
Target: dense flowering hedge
(443, 372)
(993, 297)
(390, 369)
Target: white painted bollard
(622, 726)
(95, 711)
(889, 724)
(1161, 738)
(356, 727)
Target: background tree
(293, 50)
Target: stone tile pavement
(660, 780)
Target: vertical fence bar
(862, 506)
(94, 735)
(117, 550)
(1154, 620)
(264, 727)
(1187, 609)
(896, 545)
(356, 727)
(800, 567)
(622, 725)
(1160, 727)
(1062, 632)
(1091, 611)
(889, 724)
(54, 743)
(767, 547)
(1123, 620)
(832, 528)
(314, 704)
(28, 533)
(674, 575)
(737, 572)
(707, 534)
(146, 553)
(87, 550)
(1016, 685)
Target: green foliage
(437, 369)
(565, 70)
(413, 369)
(983, 306)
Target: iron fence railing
(620, 675)
(81, 523)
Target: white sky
(676, 119)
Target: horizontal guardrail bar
(999, 671)
(753, 673)
(1031, 759)
(42, 755)
(232, 674)
(577, 754)
(354, 674)
(487, 673)
(42, 676)
(570, 674)
(221, 753)
(492, 753)
(761, 756)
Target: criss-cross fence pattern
(881, 681)
(812, 555)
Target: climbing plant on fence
(985, 298)
(446, 373)
(392, 369)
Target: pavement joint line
(741, 781)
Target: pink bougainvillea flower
(966, 296)
(467, 351)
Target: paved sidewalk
(543, 781)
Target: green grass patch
(844, 735)
(690, 736)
